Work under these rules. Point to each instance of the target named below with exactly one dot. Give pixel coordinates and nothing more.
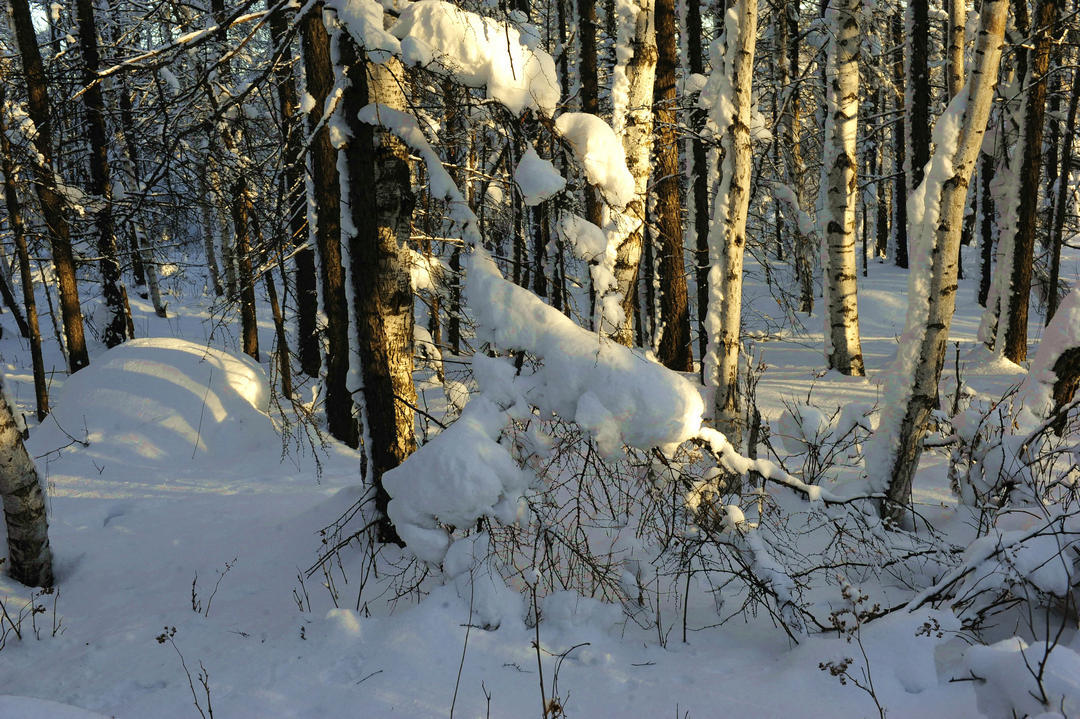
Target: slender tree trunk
(51, 204)
(1061, 200)
(29, 555)
(727, 236)
(900, 185)
(307, 298)
(917, 100)
(986, 225)
(955, 59)
(15, 221)
(895, 457)
(327, 230)
(1018, 299)
(674, 350)
(700, 180)
(115, 330)
(843, 349)
(635, 122)
(242, 214)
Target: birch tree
(843, 348)
(728, 97)
(936, 209)
(29, 555)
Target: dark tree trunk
(15, 221)
(700, 169)
(986, 226)
(51, 204)
(307, 337)
(1015, 348)
(900, 186)
(115, 298)
(1061, 200)
(382, 290)
(326, 192)
(674, 350)
(241, 213)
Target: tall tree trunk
(242, 211)
(634, 120)
(987, 225)
(326, 192)
(15, 221)
(955, 59)
(894, 457)
(51, 205)
(1015, 330)
(1061, 199)
(843, 349)
(900, 185)
(115, 297)
(382, 291)
(733, 67)
(917, 89)
(590, 94)
(674, 350)
(307, 337)
(700, 180)
(29, 555)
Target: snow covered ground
(183, 527)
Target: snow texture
(480, 52)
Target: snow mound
(164, 402)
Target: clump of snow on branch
(480, 52)
(598, 249)
(537, 178)
(616, 393)
(600, 152)
(364, 21)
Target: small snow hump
(163, 402)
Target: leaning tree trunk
(634, 120)
(14, 208)
(29, 556)
(1012, 333)
(51, 203)
(326, 196)
(674, 350)
(733, 67)
(843, 348)
(379, 263)
(937, 210)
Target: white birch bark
(936, 209)
(632, 93)
(728, 95)
(843, 349)
(29, 555)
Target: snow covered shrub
(821, 444)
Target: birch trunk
(733, 67)
(843, 349)
(634, 120)
(911, 389)
(29, 555)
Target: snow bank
(164, 402)
(600, 152)
(480, 52)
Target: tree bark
(727, 236)
(327, 211)
(15, 221)
(29, 555)
(635, 121)
(674, 350)
(899, 438)
(1015, 330)
(700, 180)
(52, 207)
(115, 297)
(900, 184)
(843, 348)
(307, 299)
(382, 290)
